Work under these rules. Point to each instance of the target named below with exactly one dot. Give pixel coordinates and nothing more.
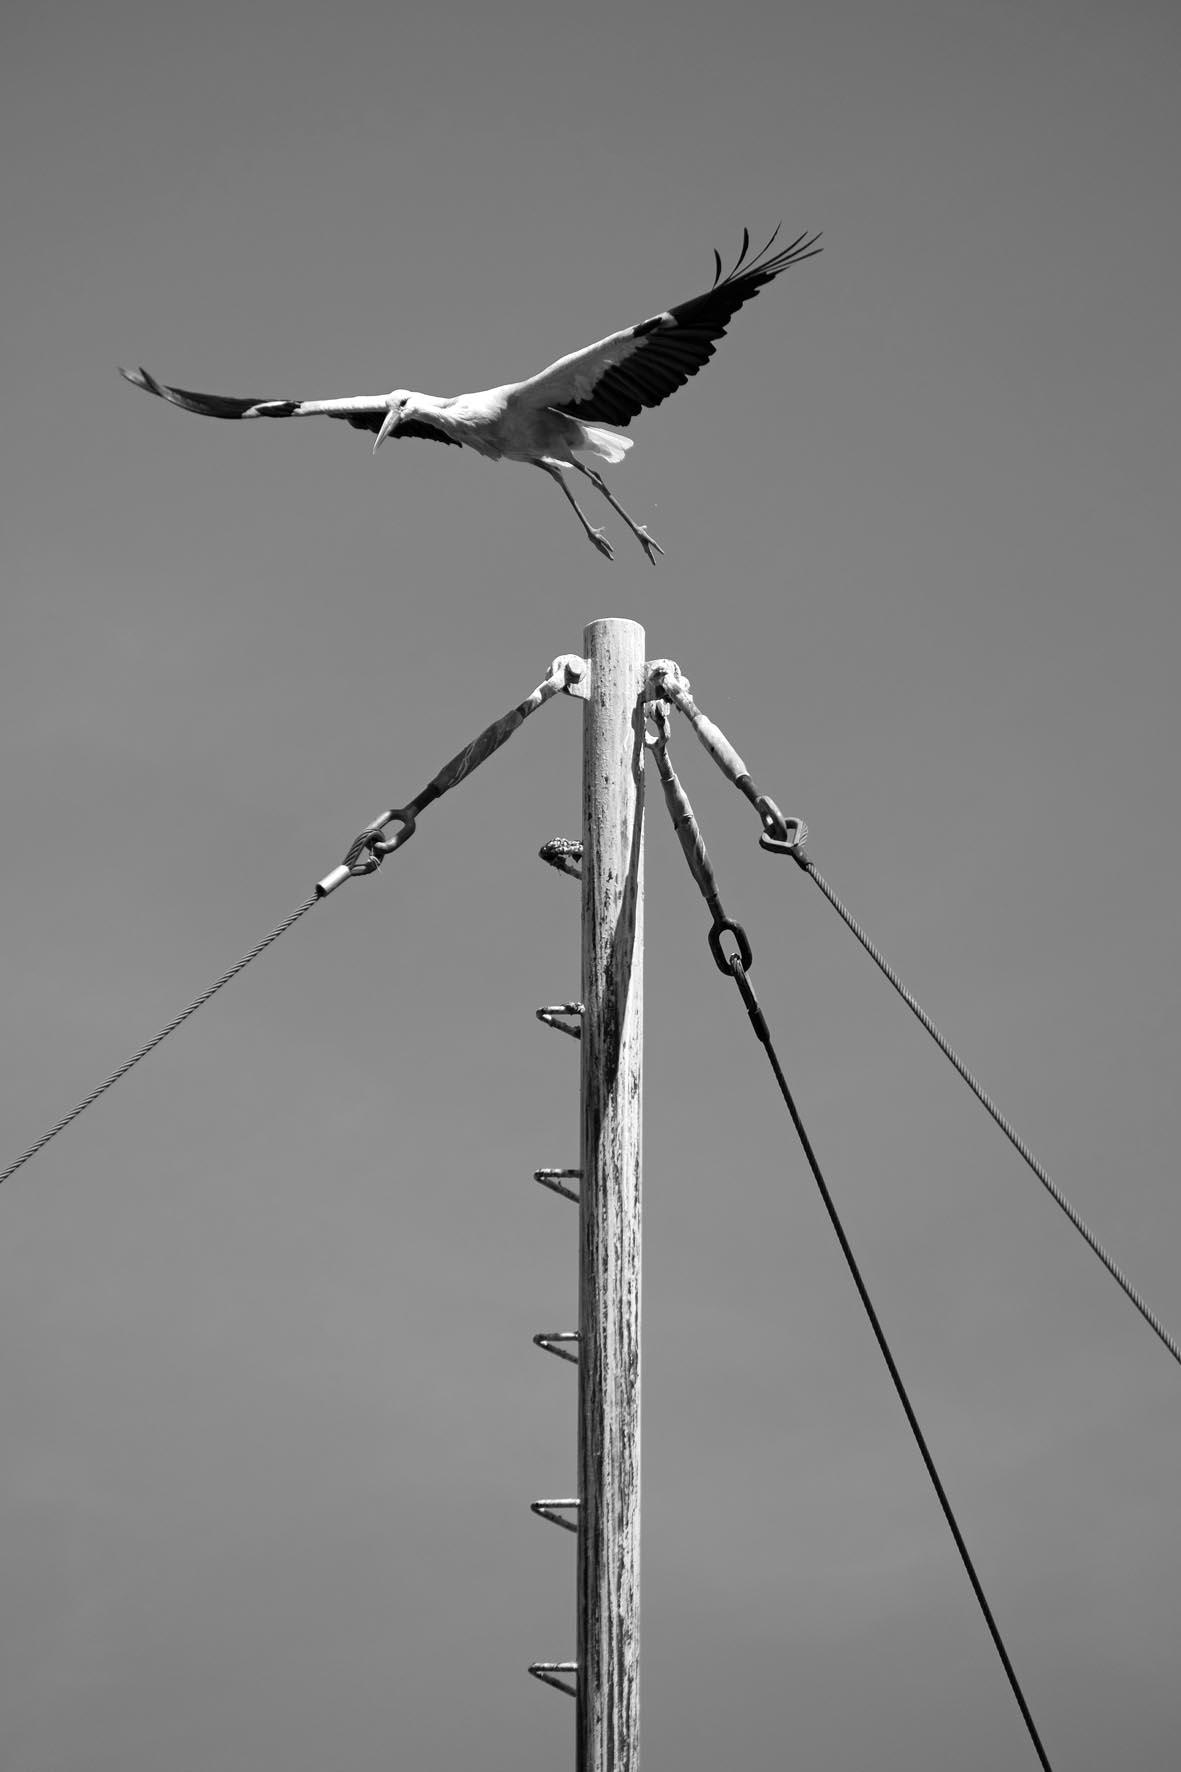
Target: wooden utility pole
(608, 1685)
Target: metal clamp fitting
(379, 846)
(793, 840)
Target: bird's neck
(428, 406)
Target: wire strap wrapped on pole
(804, 861)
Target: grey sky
(272, 1416)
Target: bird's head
(398, 402)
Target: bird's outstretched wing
(364, 412)
(612, 381)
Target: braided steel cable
(150, 1045)
(759, 1023)
(804, 861)
(737, 965)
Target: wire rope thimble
(788, 840)
(369, 849)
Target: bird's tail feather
(608, 445)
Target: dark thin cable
(990, 1107)
(759, 1023)
(197, 1003)
(689, 834)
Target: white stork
(555, 416)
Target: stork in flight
(555, 416)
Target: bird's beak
(387, 425)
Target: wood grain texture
(608, 1698)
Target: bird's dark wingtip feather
(749, 265)
(764, 264)
(737, 265)
(209, 405)
(139, 378)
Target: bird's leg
(637, 529)
(599, 536)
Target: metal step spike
(555, 1336)
(553, 1179)
(548, 1510)
(547, 1672)
(551, 1014)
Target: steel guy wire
(759, 1023)
(150, 1045)
(787, 836)
(804, 861)
(737, 965)
(563, 675)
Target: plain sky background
(271, 1415)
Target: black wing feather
(212, 405)
(410, 427)
(668, 354)
(231, 406)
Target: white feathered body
(503, 423)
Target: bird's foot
(649, 544)
(599, 537)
